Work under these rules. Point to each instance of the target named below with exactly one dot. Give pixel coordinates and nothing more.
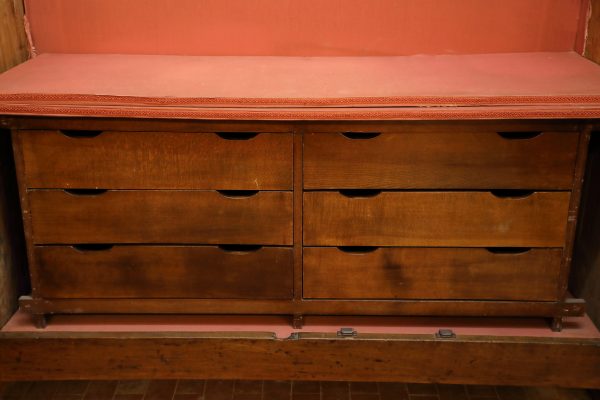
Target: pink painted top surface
(492, 85)
(306, 80)
(574, 327)
(304, 27)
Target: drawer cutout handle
(512, 193)
(80, 134)
(358, 193)
(85, 192)
(508, 250)
(239, 248)
(237, 135)
(92, 247)
(519, 135)
(238, 194)
(361, 135)
(358, 249)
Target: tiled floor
(273, 390)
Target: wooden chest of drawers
(373, 185)
(404, 218)
(327, 172)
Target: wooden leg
(557, 324)
(298, 321)
(40, 320)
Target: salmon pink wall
(303, 27)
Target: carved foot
(40, 320)
(298, 321)
(557, 324)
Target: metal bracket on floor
(347, 332)
(445, 334)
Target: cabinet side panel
(574, 207)
(13, 266)
(21, 212)
(585, 277)
(13, 51)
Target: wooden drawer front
(157, 160)
(430, 273)
(165, 272)
(440, 161)
(160, 216)
(454, 219)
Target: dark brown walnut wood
(236, 272)
(455, 219)
(431, 273)
(471, 308)
(255, 355)
(160, 216)
(585, 275)
(14, 49)
(440, 160)
(240, 214)
(25, 211)
(575, 201)
(157, 160)
(186, 125)
(13, 276)
(298, 138)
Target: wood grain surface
(440, 160)
(165, 271)
(160, 216)
(456, 219)
(413, 358)
(470, 308)
(201, 126)
(157, 160)
(431, 273)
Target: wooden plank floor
(273, 390)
